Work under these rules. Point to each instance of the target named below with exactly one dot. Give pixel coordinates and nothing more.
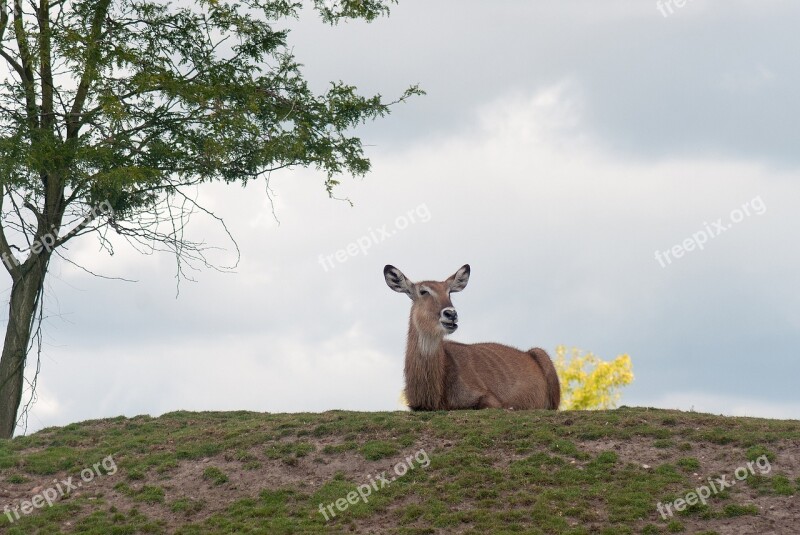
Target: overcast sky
(561, 145)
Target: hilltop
(488, 471)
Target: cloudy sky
(563, 150)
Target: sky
(621, 177)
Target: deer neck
(424, 369)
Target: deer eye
(424, 292)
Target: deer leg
(488, 401)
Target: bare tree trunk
(26, 291)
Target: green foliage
(168, 95)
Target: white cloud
(257, 372)
(560, 233)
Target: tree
(111, 109)
(588, 382)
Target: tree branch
(90, 272)
(3, 18)
(91, 216)
(90, 69)
(26, 72)
(8, 258)
(46, 74)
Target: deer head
(432, 312)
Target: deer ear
(459, 280)
(396, 280)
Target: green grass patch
(187, 506)
(145, 493)
(782, 485)
(733, 510)
(689, 464)
(215, 475)
(675, 527)
(754, 452)
(333, 449)
(375, 450)
(287, 450)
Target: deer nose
(450, 314)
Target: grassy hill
(460, 472)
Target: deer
(446, 375)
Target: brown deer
(445, 375)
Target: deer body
(445, 375)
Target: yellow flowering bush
(588, 382)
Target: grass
(215, 475)
(146, 493)
(488, 472)
(689, 464)
(379, 449)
